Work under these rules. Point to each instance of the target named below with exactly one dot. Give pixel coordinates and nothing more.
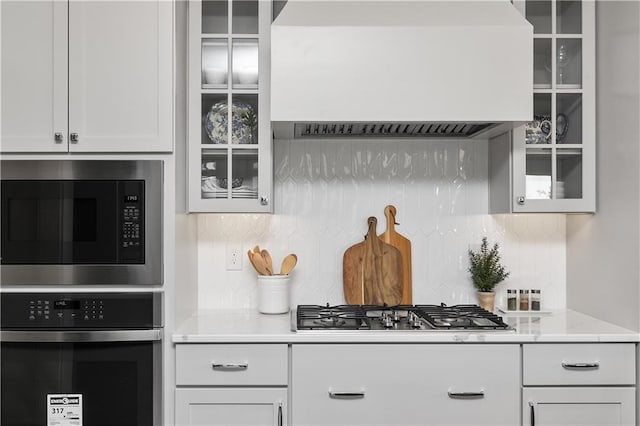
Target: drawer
(404, 384)
(579, 364)
(246, 365)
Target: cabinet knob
(264, 200)
(520, 200)
(74, 137)
(58, 137)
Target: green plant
(485, 268)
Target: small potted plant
(486, 272)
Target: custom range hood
(399, 68)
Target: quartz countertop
(249, 326)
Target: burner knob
(396, 316)
(387, 322)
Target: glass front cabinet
(229, 141)
(553, 156)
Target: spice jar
(512, 300)
(524, 300)
(535, 300)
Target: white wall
(324, 192)
(603, 251)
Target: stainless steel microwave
(81, 222)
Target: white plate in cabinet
(405, 384)
(579, 364)
(235, 365)
(604, 406)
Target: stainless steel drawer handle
(346, 395)
(229, 366)
(581, 365)
(466, 395)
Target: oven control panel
(61, 309)
(86, 310)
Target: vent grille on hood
(304, 130)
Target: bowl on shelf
(235, 182)
(215, 75)
(248, 75)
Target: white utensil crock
(273, 294)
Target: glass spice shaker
(535, 300)
(512, 300)
(524, 300)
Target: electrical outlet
(234, 257)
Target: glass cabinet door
(230, 145)
(559, 144)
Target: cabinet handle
(280, 414)
(520, 200)
(466, 395)
(532, 413)
(58, 137)
(346, 395)
(264, 201)
(581, 365)
(229, 366)
(74, 137)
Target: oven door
(117, 375)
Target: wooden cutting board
(372, 271)
(390, 236)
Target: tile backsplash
(324, 191)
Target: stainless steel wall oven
(81, 222)
(87, 359)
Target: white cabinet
(87, 76)
(548, 165)
(229, 140)
(610, 406)
(405, 384)
(225, 384)
(231, 406)
(579, 384)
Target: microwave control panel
(131, 246)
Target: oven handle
(81, 336)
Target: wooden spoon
(288, 263)
(259, 264)
(250, 255)
(267, 260)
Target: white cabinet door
(405, 384)
(120, 75)
(34, 76)
(231, 407)
(604, 406)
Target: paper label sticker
(64, 410)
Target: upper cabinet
(229, 125)
(548, 165)
(87, 76)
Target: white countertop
(249, 326)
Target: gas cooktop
(399, 318)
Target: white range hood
(399, 68)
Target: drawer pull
(346, 395)
(466, 395)
(229, 366)
(581, 365)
